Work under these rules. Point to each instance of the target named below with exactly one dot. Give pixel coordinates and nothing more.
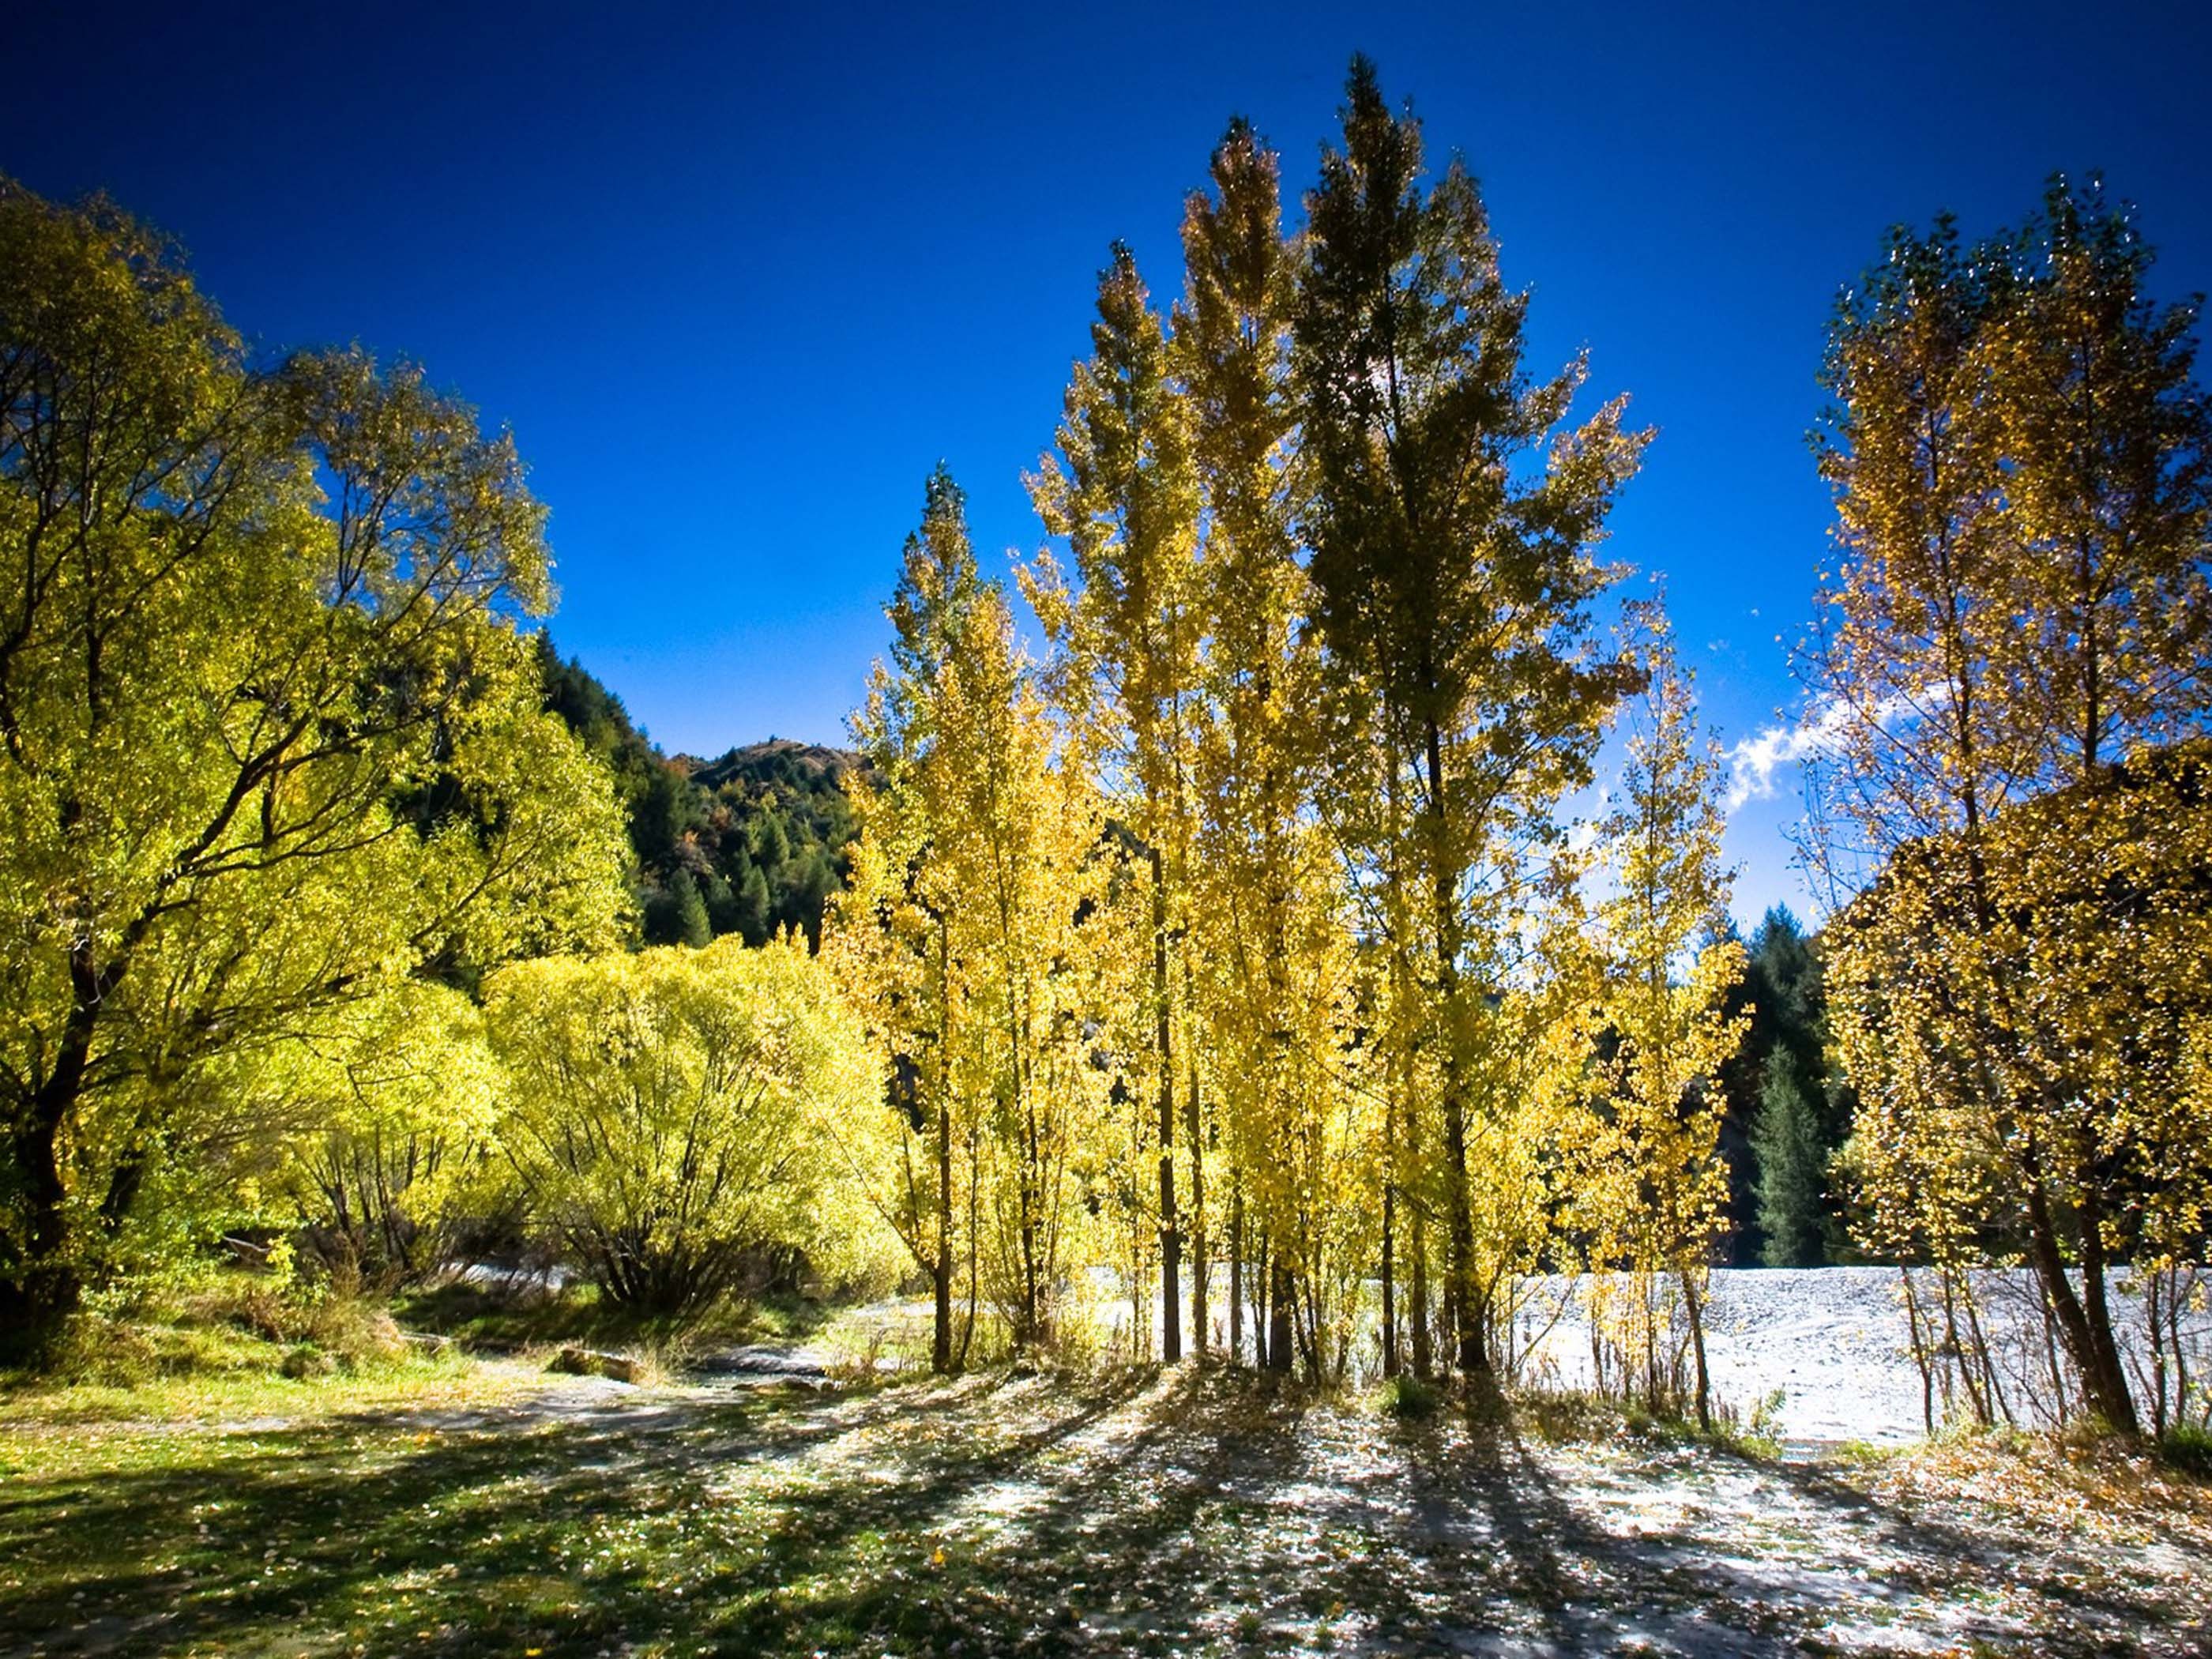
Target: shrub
(1408, 1397)
(673, 1113)
(2187, 1447)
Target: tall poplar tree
(1127, 622)
(1448, 579)
(891, 934)
(1666, 1005)
(1263, 883)
(963, 935)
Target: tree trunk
(1459, 1254)
(46, 1287)
(975, 1244)
(1236, 1275)
(1281, 1296)
(1694, 1307)
(1459, 1237)
(2098, 1364)
(1260, 1303)
(1194, 1139)
(940, 1353)
(940, 1272)
(1389, 1288)
(1417, 1243)
(1170, 1240)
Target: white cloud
(1753, 762)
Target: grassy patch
(2187, 1447)
(502, 1320)
(234, 1347)
(1135, 1511)
(557, 1534)
(1407, 1397)
(246, 1393)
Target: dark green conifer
(1793, 1158)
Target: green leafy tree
(1781, 993)
(688, 911)
(268, 734)
(771, 841)
(752, 919)
(389, 1104)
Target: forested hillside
(750, 844)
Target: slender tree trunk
(1236, 1273)
(1259, 1302)
(1459, 1238)
(941, 1271)
(1916, 1332)
(940, 1353)
(1140, 1334)
(1170, 1239)
(1194, 1137)
(1281, 1296)
(1692, 1303)
(974, 1241)
(1389, 1283)
(1417, 1242)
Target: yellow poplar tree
(2022, 467)
(1270, 926)
(966, 936)
(1453, 517)
(1126, 620)
(1662, 1180)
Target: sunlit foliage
(268, 734)
(2012, 662)
(670, 1113)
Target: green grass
(452, 1506)
(233, 1349)
(241, 1395)
(500, 1321)
(1408, 1397)
(346, 1532)
(2187, 1447)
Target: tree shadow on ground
(1145, 1512)
(562, 1534)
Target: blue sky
(739, 278)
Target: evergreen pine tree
(1786, 1139)
(771, 840)
(689, 911)
(753, 920)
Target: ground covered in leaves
(1142, 1513)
